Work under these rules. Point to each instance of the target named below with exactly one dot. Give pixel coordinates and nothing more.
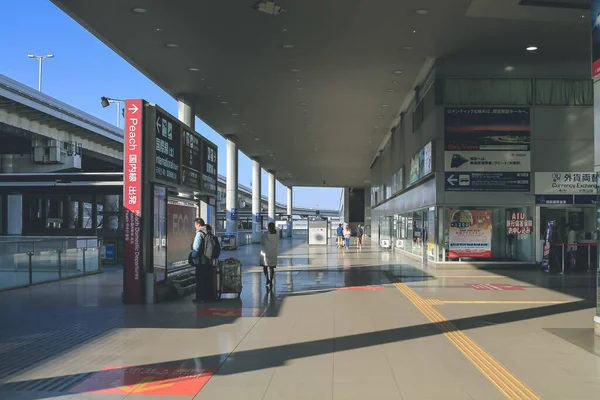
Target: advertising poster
(487, 161)
(487, 129)
(415, 172)
(519, 225)
(180, 231)
(427, 159)
(470, 234)
(595, 6)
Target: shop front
(566, 207)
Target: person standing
(340, 236)
(270, 243)
(347, 236)
(359, 235)
(204, 268)
(572, 248)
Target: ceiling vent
(268, 7)
(568, 4)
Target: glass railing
(27, 261)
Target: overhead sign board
(191, 159)
(168, 148)
(488, 161)
(488, 182)
(209, 167)
(574, 183)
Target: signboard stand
(160, 153)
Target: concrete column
(231, 188)
(186, 111)
(596, 79)
(290, 209)
(272, 196)
(256, 200)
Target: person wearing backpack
(359, 235)
(205, 249)
(270, 242)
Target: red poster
(132, 202)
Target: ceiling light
(294, 70)
(139, 10)
(158, 29)
(194, 69)
(298, 88)
(224, 102)
(384, 105)
(268, 7)
(397, 72)
(395, 82)
(257, 139)
(408, 47)
(390, 90)
(376, 127)
(172, 45)
(414, 31)
(283, 30)
(243, 124)
(422, 11)
(531, 48)
(303, 104)
(234, 114)
(509, 68)
(288, 46)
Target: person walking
(347, 236)
(340, 236)
(359, 235)
(270, 243)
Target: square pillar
(186, 112)
(256, 201)
(231, 189)
(271, 196)
(290, 210)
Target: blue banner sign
(554, 199)
(488, 182)
(547, 243)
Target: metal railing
(32, 260)
(570, 257)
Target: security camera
(104, 101)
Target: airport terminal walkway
(339, 325)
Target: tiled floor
(338, 325)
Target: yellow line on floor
(507, 383)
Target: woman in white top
(270, 242)
(347, 236)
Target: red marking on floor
(231, 312)
(362, 288)
(157, 381)
(493, 286)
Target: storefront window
(493, 234)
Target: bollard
(30, 254)
(83, 250)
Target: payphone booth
(170, 178)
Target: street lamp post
(106, 101)
(41, 61)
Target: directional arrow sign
(452, 180)
(158, 125)
(133, 108)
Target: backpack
(212, 248)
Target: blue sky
(84, 69)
